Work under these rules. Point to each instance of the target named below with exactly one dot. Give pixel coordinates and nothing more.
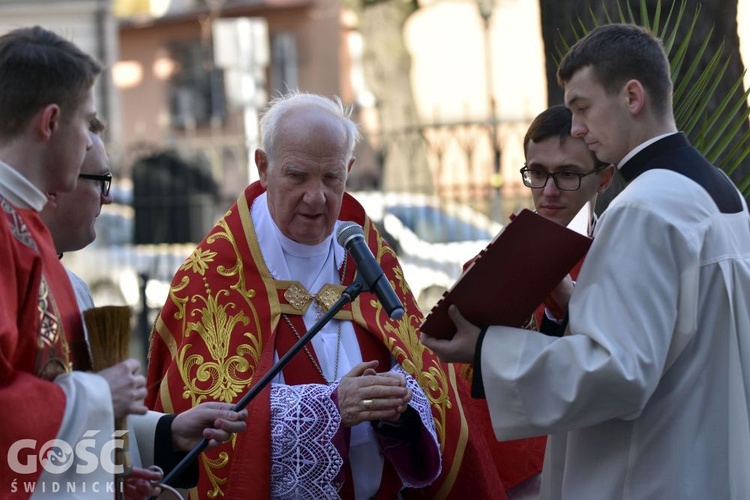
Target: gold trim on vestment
(251, 238)
(164, 394)
(461, 442)
(166, 337)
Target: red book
(511, 276)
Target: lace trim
(304, 420)
(420, 403)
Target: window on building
(283, 62)
(196, 87)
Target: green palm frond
(721, 135)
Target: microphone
(351, 236)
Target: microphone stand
(347, 296)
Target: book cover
(512, 276)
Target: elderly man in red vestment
(365, 411)
(46, 105)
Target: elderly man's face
(306, 175)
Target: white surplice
(647, 395)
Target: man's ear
(261, 161)
(47, 121)
(351, 164)
(636, 96)
(605, 178)
(51, 200)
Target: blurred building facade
(185, 82)
(195, 73)
(88, 23)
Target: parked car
(433, 239)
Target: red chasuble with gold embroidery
(217, 334)
(39, 327)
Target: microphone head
(347, 231)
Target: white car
(433, 238)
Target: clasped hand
(365, 395)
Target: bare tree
(387, 65)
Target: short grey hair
(279, 106)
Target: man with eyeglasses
(564, 177)
(71, 217)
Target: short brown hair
(556, 121)
(618, 53)
(39, 68)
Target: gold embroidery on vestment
(214, 314)
(431, 378)
(53, 352)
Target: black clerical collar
(642, 160)
(675, 153)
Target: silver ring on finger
(367, 403)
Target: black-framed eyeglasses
(536, 178)
(104, 179)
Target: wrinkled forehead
(313, 134)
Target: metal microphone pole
(348, 295)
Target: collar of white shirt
(18, 190)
